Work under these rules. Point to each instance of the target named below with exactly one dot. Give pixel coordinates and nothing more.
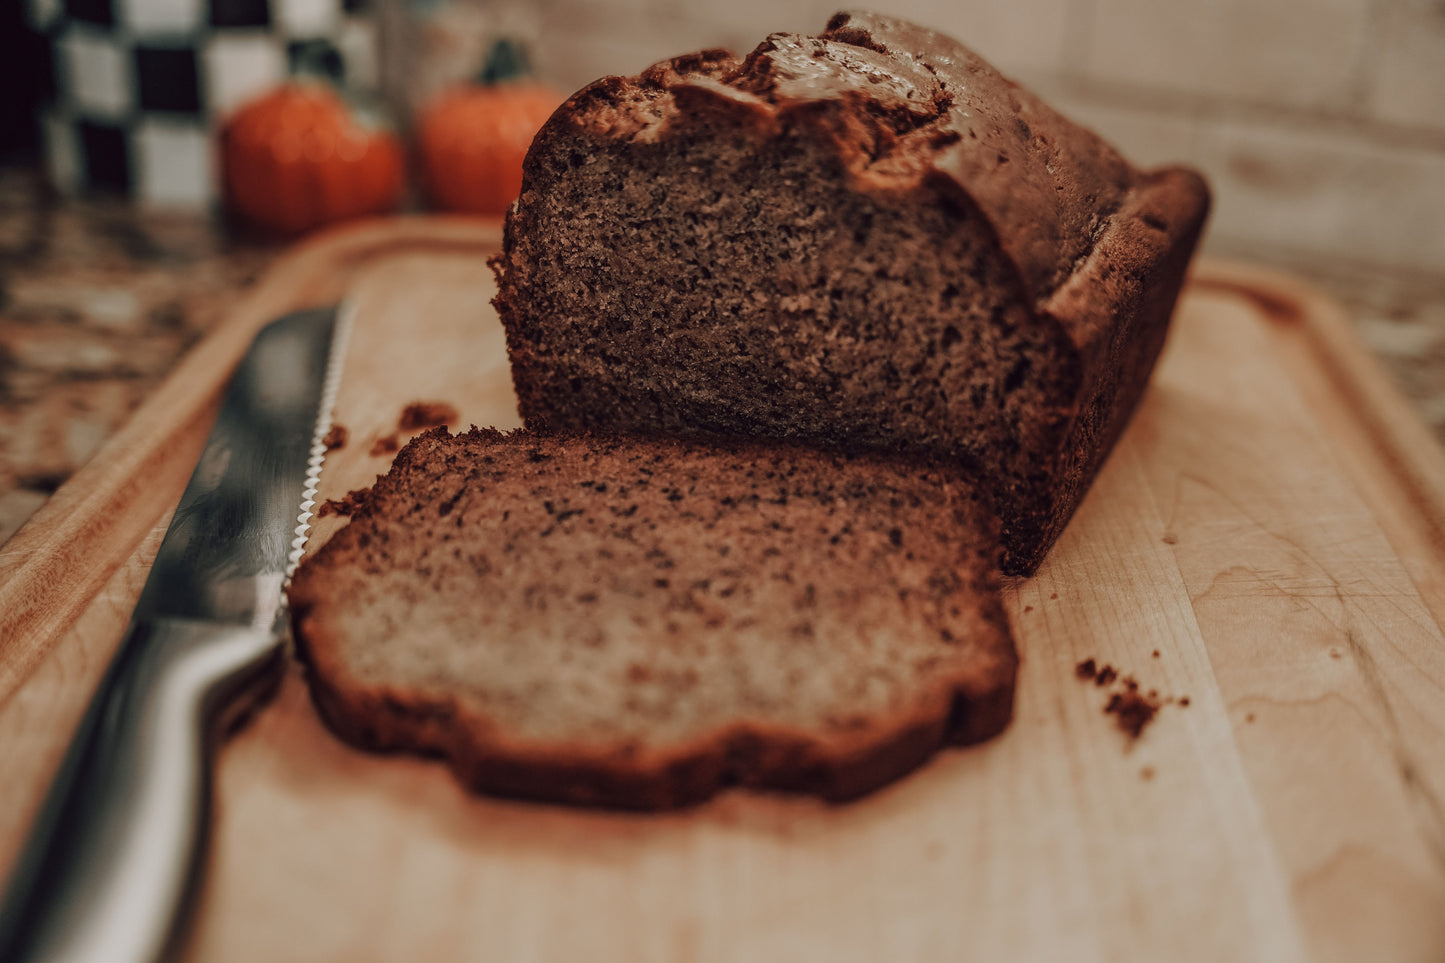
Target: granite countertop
(97, 304)
(98, 301)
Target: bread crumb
(1132, 708)
(385, 445)
(1132, 711)
(349, 504)
(335, 438)
(1147, 773)
(426, 414)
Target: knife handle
(107, 872)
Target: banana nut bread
(867, 239)
(635, 623)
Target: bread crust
(486, 760)
(963, 703)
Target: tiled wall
(1319, 123)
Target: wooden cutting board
(1268, 540)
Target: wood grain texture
(1270, 525)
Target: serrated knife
(113, 858)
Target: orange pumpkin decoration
(472, 141)
(297, 158)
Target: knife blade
(110, 864)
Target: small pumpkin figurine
(297, 158)
(472, 138)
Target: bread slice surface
(641, 622)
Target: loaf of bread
(639, 623)
(866, 239)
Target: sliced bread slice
(640, 622)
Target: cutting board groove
(1272, 525)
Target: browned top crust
(907, 107)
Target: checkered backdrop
(141, 84)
